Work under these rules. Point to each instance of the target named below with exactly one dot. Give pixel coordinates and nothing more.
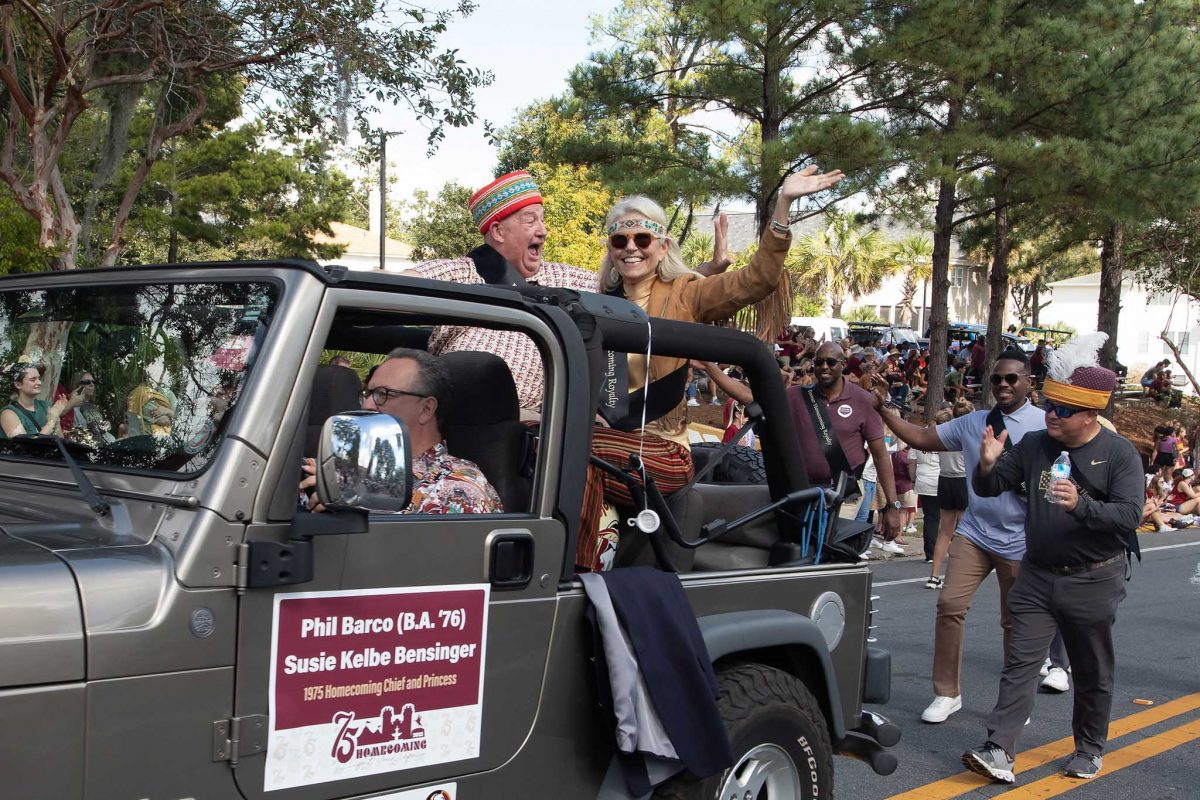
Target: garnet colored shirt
(855, 422)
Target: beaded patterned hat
(1074, 376)
(503, 197)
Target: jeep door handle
(510, 559)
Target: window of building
(958, 276)
(1143, 345)
(1181, 339)
(885, 313)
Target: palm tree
(845, 260)
(914, 256)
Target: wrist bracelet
(780, 228)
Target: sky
(530, 47)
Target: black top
(1098, 527)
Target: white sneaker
(693, 402)
(876, 542)
(940, 709)
(1045, 668)
(1056, 680)
(892, 547)
(716, 401)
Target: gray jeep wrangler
(174, 626)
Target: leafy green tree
(19, 251)
(863, 314)
(440, 227)
(912, 257)
(752, 59)
(310, 64)
(227, 196)
(843, 261)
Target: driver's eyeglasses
(1062, 412)
(379, 395)
(826, 362)
(1011, 378)
(642, 240)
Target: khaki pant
(967, 567)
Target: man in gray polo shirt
(990, 535)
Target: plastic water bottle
(1060, 470)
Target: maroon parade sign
(359, 652)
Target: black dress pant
(1083, 606)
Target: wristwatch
(896, 504)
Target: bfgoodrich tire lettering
(773, 720)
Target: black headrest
(484, 392)
(334, 389)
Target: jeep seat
(334, 389)
(483, 424)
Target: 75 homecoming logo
(384, 735)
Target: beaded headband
(648, 224)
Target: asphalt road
(1154, 750)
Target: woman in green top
(28, 413)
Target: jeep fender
(742, 631)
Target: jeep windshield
(141, 377)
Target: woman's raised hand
(807, 181)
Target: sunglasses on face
(642, 240)
(1011, 378)
(379, 395)
(1062, 412)
(826, 362)
(87, 382)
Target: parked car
(867, 333)
(825, 329)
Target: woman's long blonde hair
(669, 268)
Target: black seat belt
(831, 448)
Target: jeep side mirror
(364, 462)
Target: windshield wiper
(86, 489)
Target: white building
(362, 245)
(1144, 316)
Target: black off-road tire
(740, 464)
(762, 705)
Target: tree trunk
(939, 318)
(1112, 265)
(769, 173)
(906, 298)
(1034, 308)
(998, 290)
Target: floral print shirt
(449, 485)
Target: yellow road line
(964, 782)
(1116, 760)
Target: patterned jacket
(449, 485)
(517, 349)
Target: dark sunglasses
(642, 240)
(381, 394)
(1011, 378)
(87, 382)
(1062, 412)
(826, 362)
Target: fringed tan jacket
(691, 298)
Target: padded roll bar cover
(739, 631)
(785, 464)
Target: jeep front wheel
(779, 737)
